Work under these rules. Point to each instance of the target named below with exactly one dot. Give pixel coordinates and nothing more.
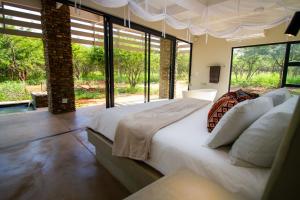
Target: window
(111, 62)
(129, 70)
(88, 58)
(182, 71)
(144, 65)
(22, 63)
(261, 68)
(292, 76)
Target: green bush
(94, 76)
(13, 91)
(130, 90)
(81, 93)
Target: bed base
(133, 174)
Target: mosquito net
(219, 18)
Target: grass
(130, 90)
(13, 91)
(293, 80)
(92, 88)
(81, 93)
(266, 80)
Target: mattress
(182, 145)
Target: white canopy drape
(219, 18)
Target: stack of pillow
(255, 127)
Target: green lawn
(266, 80)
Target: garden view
(22, 70)
(259, 68)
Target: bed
(179, 145)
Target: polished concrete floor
(42, 158)
(19, 127)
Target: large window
(292, 72)
(129, 70)
(112, 63)
(22, 64)
(143, 65)
(265, 67)
(88, 58)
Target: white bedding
(181, 145)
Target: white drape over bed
(219, 18)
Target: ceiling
(219, 18)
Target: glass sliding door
(129, 65)
(88, 58)
(142, 65)
(182, 69)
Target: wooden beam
(20, 33)
(20, 23)
(20, 14)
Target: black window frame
(286, 64)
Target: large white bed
(181, 145)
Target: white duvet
(181, 145)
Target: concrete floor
(42, 158)
(28, 126)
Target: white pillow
(279, 95)
(258, 144)
(237, 119)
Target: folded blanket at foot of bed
(135, 131)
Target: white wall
(218, 52)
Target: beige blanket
(135, 131)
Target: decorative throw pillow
(225, 103)
(259, 143)
(237, 119)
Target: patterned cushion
(225, 103)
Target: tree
(131, 64)
(80, 60)
(295, 52)
(20, 56)
(96, 58)
(182, 70)
(252, 59)
(276, 59)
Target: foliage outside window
(22, 67)
(260, 68)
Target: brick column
(165, 54)
(56, 28)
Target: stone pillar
(165, 58)
(56, 28)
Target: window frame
(286, 64)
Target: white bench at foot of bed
(134, 175)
